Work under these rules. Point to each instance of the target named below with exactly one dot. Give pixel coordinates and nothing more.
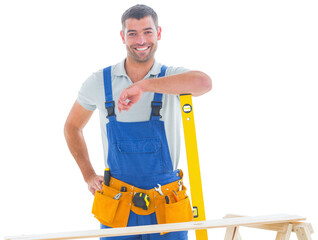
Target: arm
(193, 82)
(73, 131)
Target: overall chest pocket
(139, 146)
(139, 156)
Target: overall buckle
(156, 106)
(110, 107)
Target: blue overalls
(138, 154)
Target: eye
(148, 32)
(131, 34)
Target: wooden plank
(219, 223)
(302, 229)
(277, 227)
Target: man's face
(141, 38)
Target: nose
(141, 40)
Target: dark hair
(138, 12)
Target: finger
(130, 104)
(122, 107)
(119, 106)
(123, 102)
(96, 184)
(123, 96)
(92, 190)
(99, 186)
(100, 178)
(125, 108)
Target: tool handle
(175, 196)
(106, 176)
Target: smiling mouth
(142, 49)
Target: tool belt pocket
(174, 211)
(180, 211)
(109, 211)
(104, 207)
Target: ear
(159, 33)
(122, 36)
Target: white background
(257, 129)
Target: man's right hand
(95, 183)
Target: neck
(136, 71)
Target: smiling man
(141, 49)
(139, 106)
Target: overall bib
(139, 159)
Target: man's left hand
(129, 96)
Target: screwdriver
(175, 195)
(106, 176)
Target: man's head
(140, 32)
(138, 12)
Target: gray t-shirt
(92, 96)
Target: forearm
(77, 146)
(194, 82)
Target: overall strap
(156, 104)
(109, 104)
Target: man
(138, 101)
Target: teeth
(142, 49)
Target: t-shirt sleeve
(87, 94)
(176, 70)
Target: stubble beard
(132, 52)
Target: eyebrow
(150, 28)
(145, 29)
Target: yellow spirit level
(193, 163)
